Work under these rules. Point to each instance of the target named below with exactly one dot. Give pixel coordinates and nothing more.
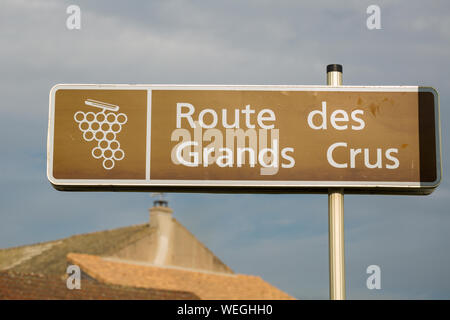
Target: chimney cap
(160, 203)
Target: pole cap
(334, 67)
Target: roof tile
(20, 286)
(206, 285)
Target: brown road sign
(244, 138)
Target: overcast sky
(282, 238)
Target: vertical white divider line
(149, 128)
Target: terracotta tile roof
(206, 285)
(19, 286)
(50, 257)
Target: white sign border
(151, 183)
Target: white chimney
(161, 221)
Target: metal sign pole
(336, 217)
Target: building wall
(141, 250)
(191, 253)
(169, 243)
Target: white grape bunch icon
(103, 127)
